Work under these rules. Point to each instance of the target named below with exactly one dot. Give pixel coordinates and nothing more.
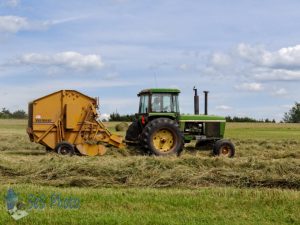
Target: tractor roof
(159, 90)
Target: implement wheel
(162, 137)
(224, 148)
(64, 148)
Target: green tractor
(161, 130)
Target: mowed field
(259, 186)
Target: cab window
(164, 103)
(144, 104)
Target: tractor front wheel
(224, 148)
(162, 137)
(64, 148)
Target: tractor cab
(159, 101)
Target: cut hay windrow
(272, 163)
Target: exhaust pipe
(196, 102)
(205, 101)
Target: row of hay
(146, 171)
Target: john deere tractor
(161, 130)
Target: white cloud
(285, 57)
(94, 84)
(279, 65)
(10, 3)
(250, 53)
(288, 57)
(249, 87)
(287, 106)
(276, 74)
(14, 100)
(111, 76)
(223, 107)
(71, 60)
(13, 24)
(220, 59)
(104, 116)
(280, 92)
(48, 23)
(183, 66)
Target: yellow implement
(66, 121)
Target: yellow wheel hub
(163, 140)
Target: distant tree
(6, 114)
(246, 119)
(115, 117)
(240, 119)
(292, 116)
(19, 114)
(123, 118)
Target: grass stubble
(262, 181)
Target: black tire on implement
(65, 148)
(224, 148)
(162, 137)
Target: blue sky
(246, 53)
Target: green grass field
(259, 186)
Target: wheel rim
(225, 150)
(163, 140)
(64, 150)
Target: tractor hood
(202, 118)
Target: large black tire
(162, 137)
(65, 148)
(133, 132)
(224, 148)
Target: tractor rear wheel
(162, 137)
(133, 132)
(224, 148)
(65, 148)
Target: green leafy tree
(293, 116)
(123, 118)
(248, 120)
(19, 114)
(5, 114)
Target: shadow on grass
(199, 147)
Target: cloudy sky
(246, 52)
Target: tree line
(248, 120)
(121, 118)
(115, 117)
(19, 114)
(292, 116)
